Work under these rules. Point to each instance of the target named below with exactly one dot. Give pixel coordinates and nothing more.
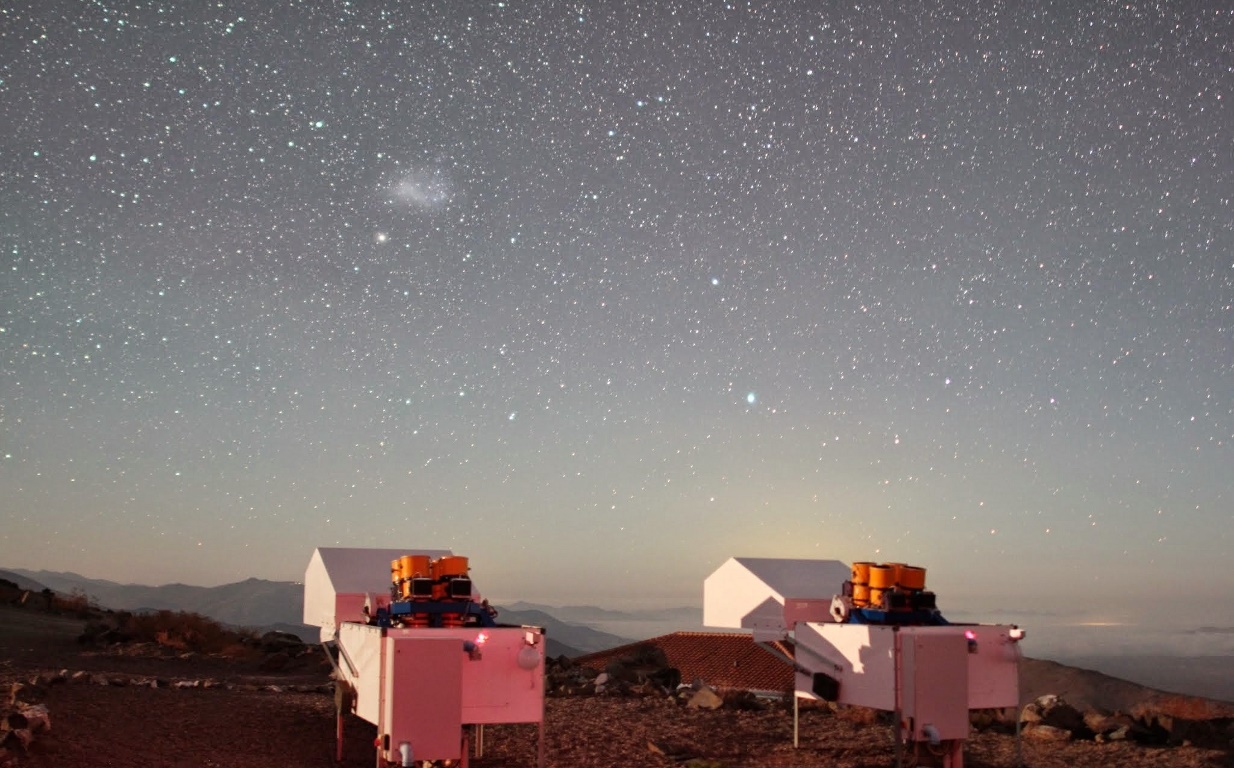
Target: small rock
(57, 678)
(981, 719)
(858, 715)
(665, 749)
(1118, 734)
(704, 698)
(1043, 732)
(19, 737)
(37, 718)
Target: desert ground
(136, 706)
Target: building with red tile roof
(723, 660)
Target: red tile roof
(724, 660)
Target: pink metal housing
(424, 688)
(929, 676)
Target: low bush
(182, 631)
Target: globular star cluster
(601, 294)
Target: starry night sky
(601, 294)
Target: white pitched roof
(338, 578)
(749, 592)
(820, 579)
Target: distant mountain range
(577, 639)
(263, 605)
(590, 614)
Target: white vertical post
(796, 705)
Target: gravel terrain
(125, 709)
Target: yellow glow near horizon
(1102, 624)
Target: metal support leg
(796, 710)
(338, 739)
(897, 730)
(953, 757)
(540, 737)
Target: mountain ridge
(264, 604)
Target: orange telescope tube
(861, 573)
(449, 566)
(882, 577)
(911, 577)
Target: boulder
(666, 678)
(282, 642)
(645, 664)
(1053, 711)
(562, 677)
(1184, 708)
(1176, 720)
(1115, 727)
(743, 701)
(1002, 720)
